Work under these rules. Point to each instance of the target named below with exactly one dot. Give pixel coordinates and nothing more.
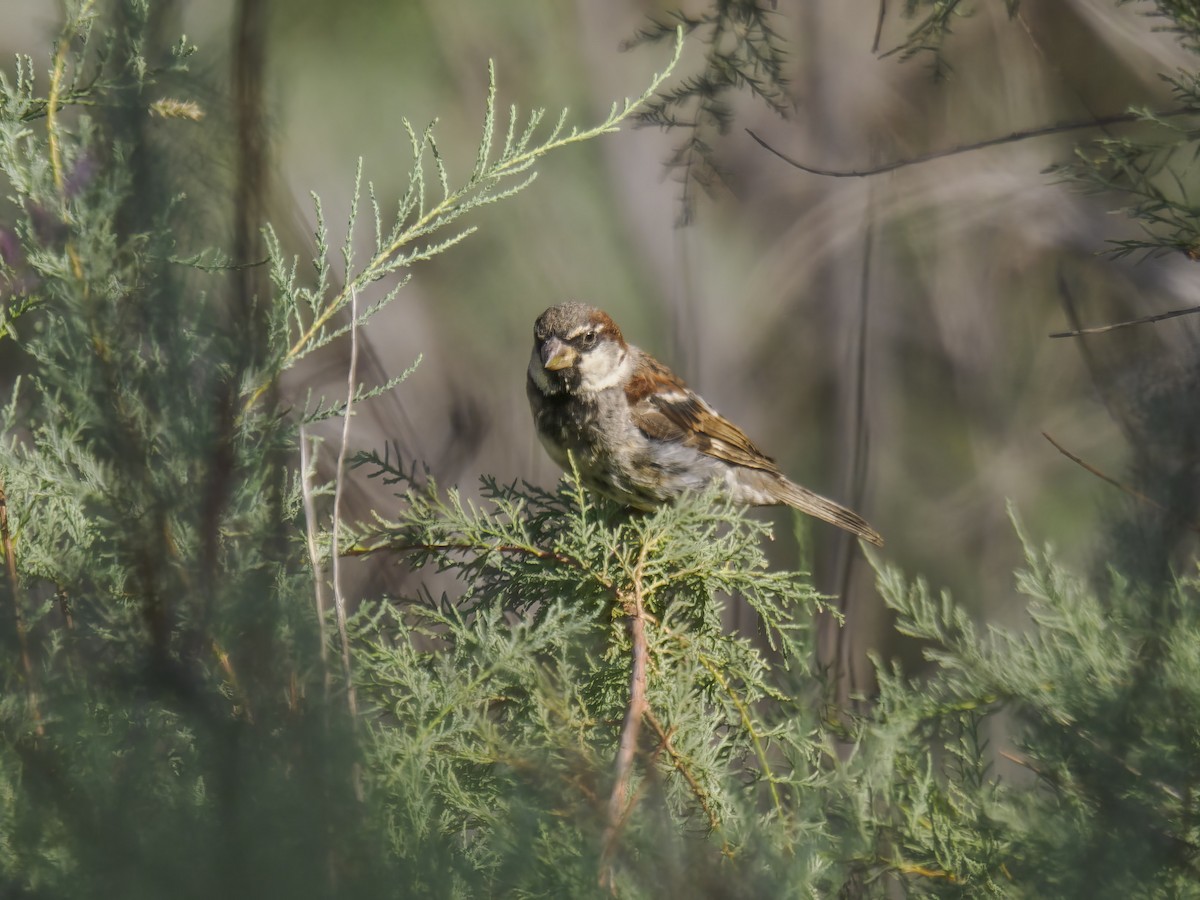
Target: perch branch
(307, 471)
(678, 762)
(634, 712)
(1132, 492)
(14, 584)
(1012, 138)
(339, 599)
(1101, 329)
(468, 547)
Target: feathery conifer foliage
(742, 52)
(570, 606)
(573, 720)
(1149, 170)
(1058, 758)
(932, 23)
(1152, 170)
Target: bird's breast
(614, 456)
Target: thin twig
(467, 547)
(879, 25)
(1103, 477)
(339, 600)
(314, 556)
(249, 66)
(743, 712)
(856, 471)
(1011, 138)
(1117, 407)
(1132, 770)
(923, 871)
(57, 72)
(14, 585)
(634, 712)
(1132, 492)
(53, 99)
(1100, 329)
(650, 763)
(231, 678)
(1022, 762)
(678, 762)
(444, 211)
(748, 723)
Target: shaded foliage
(743, 52)
(170, 721)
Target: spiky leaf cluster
(743, 52)
(520, 676)
(932, 23)
(1068, 746)
(1182, 17)
(168, 721)
(1153, 171)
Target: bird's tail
(826, 510)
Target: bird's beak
(557, 355)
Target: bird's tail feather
(826, 510)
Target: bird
(637, 434)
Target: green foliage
(506, 697)
(743, 52)
(304, 319)
(933, 22)
(1182, 17)
(1153, 170)
(526, 677)
(171, 724)
(168, 721)
(1099, 696)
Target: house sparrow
(637, 433)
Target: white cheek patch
(605, 367)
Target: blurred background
(884, 338)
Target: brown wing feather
(823, 508)
(665, 408)
(668, 410)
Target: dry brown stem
(14, 592)
(618, 809)
(1144, 320)
(1011, 138)
(1132, 492)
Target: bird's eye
(589, 339)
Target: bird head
(577, 349)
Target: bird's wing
(665, 409)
